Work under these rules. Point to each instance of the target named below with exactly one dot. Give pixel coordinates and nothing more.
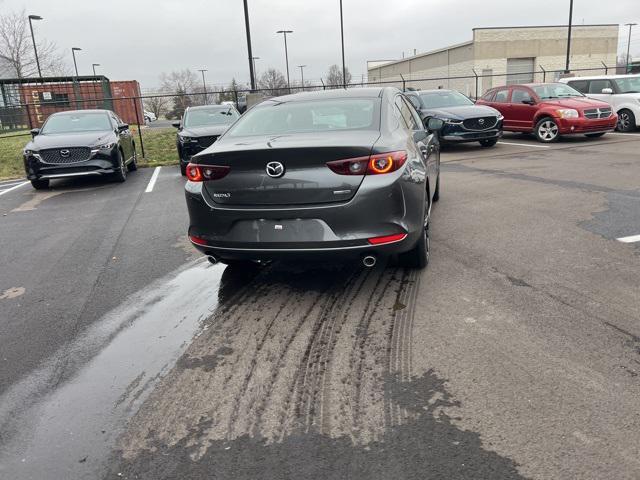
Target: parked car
(149, 116)
(549, 110)
(327, 174)
(200, 127)
(80, 143)
(622, 92)
(464, 121)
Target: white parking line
(631, 239)
(152, 182)
(524, 145)
(12, 188)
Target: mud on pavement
(305, 373)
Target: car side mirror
(123, 127)
(175, 124)
(607, 91)
(35, 131)
(434, 124)
(529, 102)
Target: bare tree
(179, 83)
(157, 105)
(334, 76)
(273, 82)
(16, 49)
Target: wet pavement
(516, 354)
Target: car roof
(74, 112)
(432, 90)
(599, 77)
(366, 92)
(207, 107)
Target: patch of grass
(159, 146)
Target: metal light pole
(302, 74)
(73, 52)
(33, 38)
(93, 66)
(204, 85)
(246, 26)
(253, 59)
(344, 72)
(566, 68)
(630, 25)
(286, 54)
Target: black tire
(436, 193)
(41, 184)
(120, 175)
(626, 121)
(490, 142)
(418, 256)
(133, 165)
(183, 168)
(594, 135)
(547, 130)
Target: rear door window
(596, 86)
(581, 85)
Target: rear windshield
(310, 116)
(555, 90)
(77, 122)
(444, 99)
(210, 116)
(628, 85)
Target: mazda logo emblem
(481, 121)
(64, 153)
(275, 169)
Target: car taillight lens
(387, 239)
(374, 165)
(200, 173)
(198, 240)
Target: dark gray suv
(329, 174)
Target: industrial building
(504, 55)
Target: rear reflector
(377, 164)
(198, 240)
(387, 239)
(201, 173)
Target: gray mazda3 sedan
(334, 174)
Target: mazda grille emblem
(64, 153)
(481, 121)
(275, 169)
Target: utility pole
(73, 52)
(344, 72)
(302, 74)
(630, 25)
(94, 65)
(286, 55)
(253, 59)
(246, 26)
(33, 39)
(566, 68)
(204, 86)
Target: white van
(622, 92)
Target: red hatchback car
(549, 110)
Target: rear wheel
(626, 121)
(489, 142)
(594, 135)
(41, 184)
(120, 175)
(418, 256)
(547, 130)
(133, 166)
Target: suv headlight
(104, 146)
(32, 153)
(184, 139)
(567, 113)
(451, 121)
(500, 117)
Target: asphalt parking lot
(516, 354)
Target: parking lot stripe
(152, 182)
(13, 188)
(631, 239)
(524, 145)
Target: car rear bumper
(570, 126)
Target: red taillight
(374, 165)
(200, 173)
(198, 240)
(387, 239)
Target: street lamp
(204, 85)
(629, 44)
(251, 65)
(94, 65)
(566, 68)
(73, 53)
(286, 54)
(253, 59)
(302, 74)
(344, 72)
(33, 38)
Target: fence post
(29, 116)
(235, 96)
(606, 69)
(544, 74)
(404, 83)
(324, 87)
(476, 75)
(135, 106)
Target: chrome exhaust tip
(369, 261)
(212, 260)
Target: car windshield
(628, 85)
(77, 122)
(310, 116)
(555, 90)
(444, 99)
(202, 117)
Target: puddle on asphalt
(56, 424)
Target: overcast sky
(139, 39)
